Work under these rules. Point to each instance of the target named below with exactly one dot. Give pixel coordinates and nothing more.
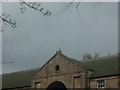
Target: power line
(7, 62)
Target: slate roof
(18, 79)
(104, 66)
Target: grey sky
(37, 37)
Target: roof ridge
(20, 71)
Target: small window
(57, 67)
(37, 85)
(101, 84)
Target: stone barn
(64, 72)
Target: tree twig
(35, 6)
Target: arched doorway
(56, 85)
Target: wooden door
(77, 82)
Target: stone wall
(70, 81)
(110, 82)
(69, 73)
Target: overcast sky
(93, 28)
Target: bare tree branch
(69, 5)
(34, 6)
(7, 20)
(78, 3)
